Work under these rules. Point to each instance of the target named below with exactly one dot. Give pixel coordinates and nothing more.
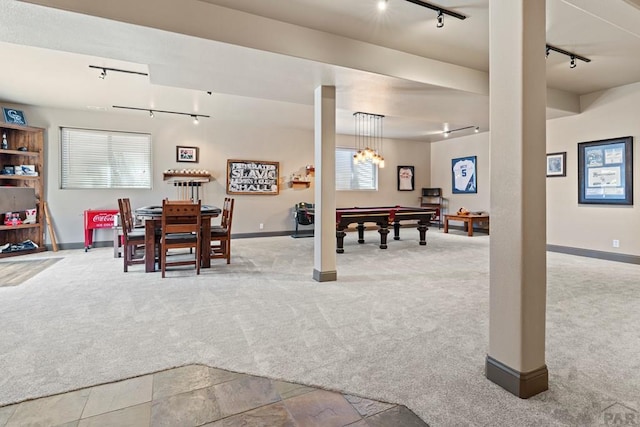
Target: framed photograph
(15, 117)
(253, 177)
(557, 164)
(605, 171)
(463, 175)
(187, 154)
(406, 179)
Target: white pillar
(324, 239)
(516, 359)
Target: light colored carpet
(407, 325)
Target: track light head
(548, 50)
(151, 113)
(572, 64)
(103, 74)
(440, 20)
(382, 5)
(446, 133)
(195, 120)
(477, 129)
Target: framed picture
(556, 164)
(187, 154)
(253, 177)
(15, 117)
(605, 171)
(406, 179)
(463, 175)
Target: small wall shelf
(297, 183)
(201, 177)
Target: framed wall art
(605, 171)
(15, 117)
(557, 164)
(406, 178)
(463, 175)
(187, 154)
(253, 177)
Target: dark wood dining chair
(132, 239)
(181, 225)
(221, 234)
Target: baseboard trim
(325, 276)
(521, 384)
(590, 253)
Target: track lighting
(382, 5)
(152, 112)
(547, 50)
(104, 70)
(572, 56)
(440, 20)
(446, 133)
(441, 12)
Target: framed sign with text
(252, 177)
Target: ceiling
(252, 71)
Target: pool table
(382, 216)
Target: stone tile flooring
(197, 395)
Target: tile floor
(197, 395)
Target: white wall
(607, 114)
(218, 141)
(442, 152)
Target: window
(349, 176)
(105, 159)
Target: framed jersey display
(463, 175)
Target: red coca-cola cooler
(95, 219)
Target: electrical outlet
(261, 226)
(616, 243)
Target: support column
(324, 239)
(516, 359)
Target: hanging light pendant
(368, 138)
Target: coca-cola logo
(103, 218)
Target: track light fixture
(572, 56)
(446, 133)
(440, 10)
(103, 72)
(152, 112)
(382, 5)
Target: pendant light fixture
(368, 138)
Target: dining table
(152, 216)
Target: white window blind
(105, 159)
(349, 176)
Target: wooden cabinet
(432, 198)
(24, 152)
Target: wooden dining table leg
(205, 252)
(149, 246)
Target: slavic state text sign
(252, 177)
